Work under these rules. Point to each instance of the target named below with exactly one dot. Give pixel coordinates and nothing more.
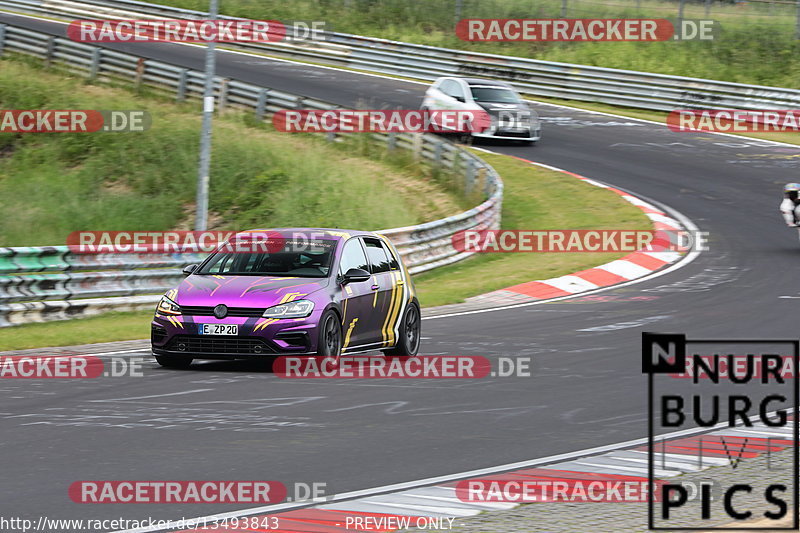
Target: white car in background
(512, 118)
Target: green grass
(535, 198)
(757, 43)
(53, 184)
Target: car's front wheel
(329, 343)
(170, 361)
(410, 329)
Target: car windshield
(494, 94)
(295, 259)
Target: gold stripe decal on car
(265, 323)
(346, 342)
(392, 303)
(398, 301)
(288, 297)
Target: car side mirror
(355, 274)
(460, 99)
(189, 269)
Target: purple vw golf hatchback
(290, 291)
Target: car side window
(393, 263)
(353, 257)
(379, 258)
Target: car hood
(245, 291)
(494, 108)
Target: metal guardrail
(531, 77)
(51, 283)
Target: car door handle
(376, 287)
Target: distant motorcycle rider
(790, 206)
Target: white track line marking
(150, 396)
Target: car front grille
(207, 344)
(202, 310)
(521, 134)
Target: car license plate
(218, 329)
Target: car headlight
(296, 309)
(168, 307)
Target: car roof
(330, 233)
(477, 81)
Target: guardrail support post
(330, 136)
(797, 29)
(416, 146)
(181, 96)
(2, 38)
(469, 184)
(95, 68)
(261, 104)
(137, 79)
(481, 178)
(223, 94)
(49, 49)
(438, 149)
(391, 140)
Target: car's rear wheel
(171, 361)
(330, 336)
(410, 330)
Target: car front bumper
(529, 135)
(258, 337)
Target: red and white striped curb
(386, 512)
(630, 267)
